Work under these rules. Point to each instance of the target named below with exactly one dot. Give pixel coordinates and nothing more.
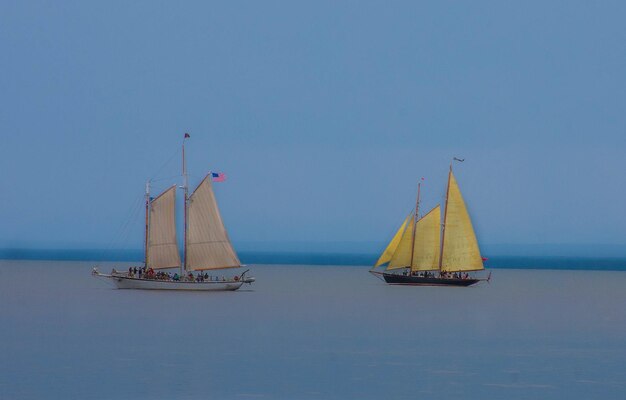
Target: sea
(305, 331)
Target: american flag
(218, 176)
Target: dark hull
(397, 279)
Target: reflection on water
(312, 332)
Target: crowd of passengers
(445, 275)
(149, 273)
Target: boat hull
(411, 280)
(124, 282)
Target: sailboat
(206, 245)
(425, 251)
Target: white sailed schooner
(428, 252)
(206, 245)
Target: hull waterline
(412, 280)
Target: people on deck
(150, 273)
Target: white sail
(162, 251)
(208, 245)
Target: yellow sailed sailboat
(206, 245)
(425, 251)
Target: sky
(324, 115)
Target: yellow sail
(162, 249)
(402, 256)
(460, 248)
(427, 241)
(392, 246)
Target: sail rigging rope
(162, 167)
(128, 224)
(120, 238)
(167, 178)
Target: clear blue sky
(322, 114)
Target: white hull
(124, 282)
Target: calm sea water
(312, 332)
(596, 263)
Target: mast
(183, 266)
(417, 208)
(445, 216)
(147, 233)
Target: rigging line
(199, 176)
(165, 163)
(164, 179)
(122, 225)
(157, 190)
(130, 214)
(134, 217)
